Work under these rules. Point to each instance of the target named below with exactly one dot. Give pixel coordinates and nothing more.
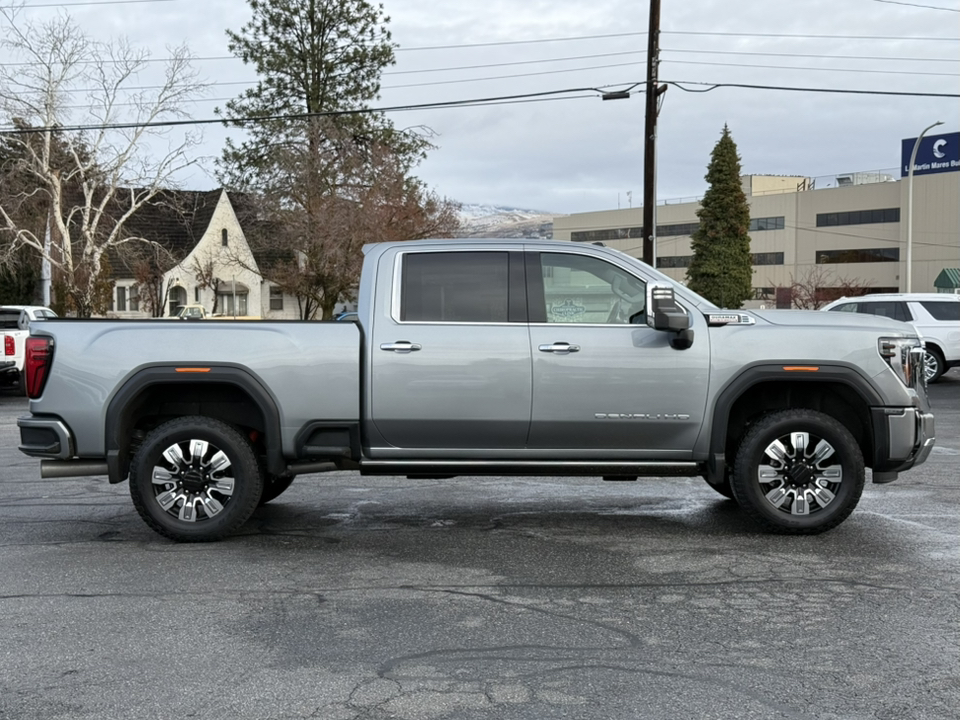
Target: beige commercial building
(853, 232)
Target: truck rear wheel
(798, 472)
(195, 479)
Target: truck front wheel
(195, 479)
(798, 472)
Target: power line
(304, 116)
(679, 84)
(78, 4)
(815, 69)
(503, 99)
(926, 7)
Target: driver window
(581, 289)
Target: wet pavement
(536, 598)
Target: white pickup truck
(15, 327)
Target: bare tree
(816, 286)
(309, 239)
(92, 165)
(204, 272)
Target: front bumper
(902, 438)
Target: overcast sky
(580, 153)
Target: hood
(816, 318)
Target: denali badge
(641, 416)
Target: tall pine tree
(325, 170)
(721, 269)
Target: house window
(276, 298)
(121, 299)
(134, 299)
(225, 301)
(224, 237)
(196, 294)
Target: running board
(579, 468)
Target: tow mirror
(663, 313)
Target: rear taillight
(9, 345)
(36, 364)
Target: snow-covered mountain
(505, 222)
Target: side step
(584, 468)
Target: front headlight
(905, 357)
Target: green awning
(948, 279)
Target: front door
(604, 386)
(450, 354)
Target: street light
(913, 159)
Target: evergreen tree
(721, 269)
(321, 179)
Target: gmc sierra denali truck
(485, 357)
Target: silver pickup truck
(485, 357)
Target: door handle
(403, 347)
(560, 348)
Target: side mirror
(663, 313)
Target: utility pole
(650, 137)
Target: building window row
(682, 261)
(767, 223)
(768, 258)
(858, 255)
(672, 230)
(858, 217)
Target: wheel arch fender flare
(119, 415)
(764, 372)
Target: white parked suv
(935, 315)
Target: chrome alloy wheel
(931, 366)
(800, 473)
(193, 480)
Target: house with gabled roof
(215, 266)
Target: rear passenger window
(887, 308)
(942, 309)
(459, 287)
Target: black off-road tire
(274, 486)
(821, 463)
(22, 384)
(222, 484)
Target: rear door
(450, 352)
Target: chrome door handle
(561, 348)
(401, 347)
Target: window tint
(847, 307)
(942, 309)
(9, 320)
(887, 308)
(580, 289)
(455, 287)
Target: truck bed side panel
(310, 369)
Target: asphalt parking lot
(533, 598)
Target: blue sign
(936, 154)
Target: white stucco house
(217, 270)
